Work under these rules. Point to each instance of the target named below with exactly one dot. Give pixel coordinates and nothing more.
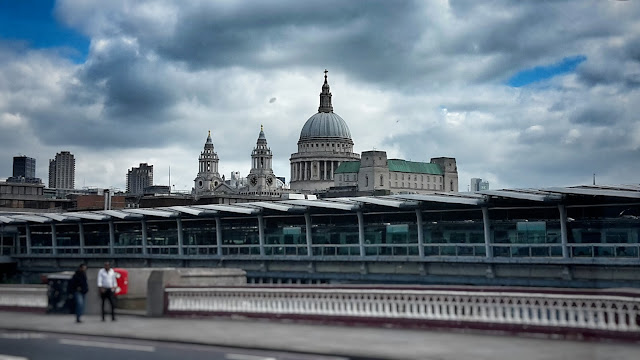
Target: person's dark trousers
(79, 298)
(108, 295)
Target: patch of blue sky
(33, 22)
(539, 73)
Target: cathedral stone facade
(325, 142)
(325, 159)
(208, 177)
(261, 180)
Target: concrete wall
(136, 298)
(196, 277)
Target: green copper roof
(348, 167)
(414, 167)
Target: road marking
(107, 345)
(20, 336)
(247, 357)
(9, 357)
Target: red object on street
(122, 279)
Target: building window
(339, 177)
(381, 180)
(366, 180)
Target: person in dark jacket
(78, 288)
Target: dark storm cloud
(599, 115)
(134, 87)
(347, 35)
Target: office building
(62, 171)
(139, 178)
(478, 185)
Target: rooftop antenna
(169, 179)
(594, 178)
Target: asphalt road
(47, 346)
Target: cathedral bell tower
(208, 177)
(261, 178)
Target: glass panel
(501, 251)
(582, 251)
(240, 236)
(604, 251)
(627, 251)
(162, 237)
(332, 233)
(127, 234)
(199, 237)
(68, 239)
(285, 235)
(40, 235)
(390, 233)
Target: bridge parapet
(25, 298)
(609, 315)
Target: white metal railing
(23, 296)
(598, 312)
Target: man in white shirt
(107, 285)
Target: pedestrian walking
(78, 289)
(107, 285)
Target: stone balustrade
(617, 313)
(23, 297)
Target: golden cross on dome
(209, 132)
(261, 128)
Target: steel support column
(143, 224)
(361, 232)
(307, 222)
(487, 232)
(112, 236)
(28, 232)
(261, 234)
(54, 245)
(218, 236)
(420, 233)
(180, 236)
(81, 237)
(563, 230)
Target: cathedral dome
(325, 125)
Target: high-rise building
(62, 171)
(138, 178)
(475, 184)
(478, 185)
(24, 166)
(24, 170)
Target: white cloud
(418, 80)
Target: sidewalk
(364, 342)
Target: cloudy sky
(521, 93)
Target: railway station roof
(585, 194)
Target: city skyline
(521, 94)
